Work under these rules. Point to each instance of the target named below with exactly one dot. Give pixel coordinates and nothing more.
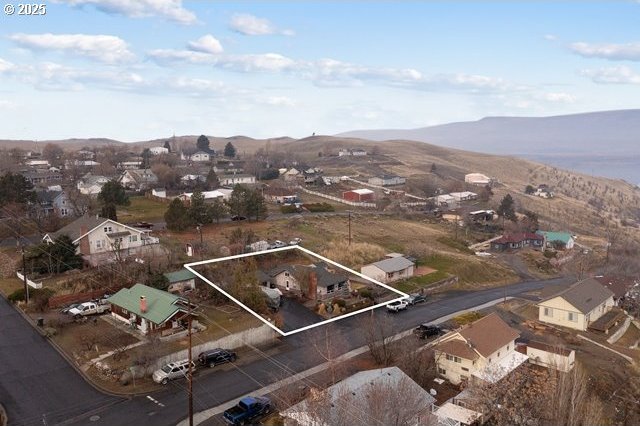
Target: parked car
(217, 356)
(66, 309)
(424, 331)
(248, 410)
(397, 306)
(295, 241)
(89, 308)
(278, 244)
(144, 225)
(173, 370)
(416, 298)
(237, 218)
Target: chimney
(143, 304)
(84, 242)
(313, 286)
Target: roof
(496, 371)
(458, 348)
(357, 388)
(518, 237)
(457, 413)
(361, 191)
(48, 196)
(181, 275)
(325, 276)
(488, 334)
(584, 295)
(558, 350)
(618, 285)
(556, 236)
(387, 177)
(393, 264)
(75, 229)
(161, 305)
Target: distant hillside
(607, 132)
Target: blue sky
(141, 69)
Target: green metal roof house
(150, 310)
(564, 237)
(180, 282)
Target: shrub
(319, 207)
(366, 293)
(40, 296)
(288, 209)
(340, 302)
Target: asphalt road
(213, 388)
(37, 385)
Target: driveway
(296, 315)
(37, 385)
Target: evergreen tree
(507, 210)
(203, 143)
(256, 205)
(218, 210)
(14, 188)
(108, 211)
(146, 158)
(229, 150)
(177, 216)
(198, 210)
(529, 190)
(56, 257)
(113, 192)
(156, 279)
(433, 167)
(167, 145)
(212, 180)
(237, 202)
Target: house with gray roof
(326, 280)
(390, 269)
(577, 306)
(54, 202)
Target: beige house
(390, 269)
(578, 306)
(483, 350)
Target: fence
(253, 336)
(66, 299)
(339, 200)
(29, 282)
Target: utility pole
(24, 276)
(349, 227)
(190, 373)
(199, 228)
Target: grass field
(142, 209)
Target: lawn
(142, 209)
(9, 285)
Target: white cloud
(171, 10)
(104, 48)
(6, 104)
(206, 44)
(550, 37)
(265, 62)
(6, 65)
(172, 57)
(252, 25)
(612, 75)
(280, 101)
(198, 87)
(611, 51)
(559, 97)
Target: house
(191, 178)
(91, 184)
(54, 202)
(280, 195)
(623, 288)
(322, 281)
(81, 163)
(291, 174)
(480, 216)
(358, 195)
(159, 192)
(129, 165)
(577, 306)
(464, 196)
(40, 176)
(387, 180)
(138, 179)
(239, 179)
(38, 164)
(226, 167)
(356, 401)
(477, 179)
(209, 196)
(390, 269)
(149, 310)
(549, 356)
(483, 350)
(158, 150)
(182, 281)
(200, 156)
(543, 191)
(87, 155)
(101, 240)
(557, 240)
(355, 152)
(517, 241)
(445, 200)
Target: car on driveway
(424, 331)
(172, 371)
(397, 306)
(237, 218)
(416, 298)
(217, 356)
(278, 244)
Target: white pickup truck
(397, 306)
(89, 308)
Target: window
(63, 212)
(548, 312)
(133, 238)
(98, 243)
(454, 358)
(442, 371)
(331, 288)
(108, 229)
(449, 357)
(465, 369)
(572, 316)
(125, 312)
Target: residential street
(217, 387)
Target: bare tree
(378, 330)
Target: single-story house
(477, 179)
(387, 180)
(358, 195)
(99, 239)
(158, 150)
(517, 241)
(182, 281)
(577, 306)
(129, 165)
(200, 156)
(159, 192)
(149, 310)
(242, 179)
(291, 174)
(280, 195)
(464, 196)
(390, 269)
(190, 178)
(549, 356)
(483, 350)
(356, 401)
(44, 164)
(622, 287)
(445, 200)
(482, 215)
(323, 281)
(556, 239)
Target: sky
(144, 69)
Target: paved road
(36, 383)
(213, 388)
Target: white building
(390, 269)
(158, 150)
(91, 184)
(477, 179)
(230, 180)
(387, 180)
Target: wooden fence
(66, 299)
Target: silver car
(173, 370)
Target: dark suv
(216, 356)
(424, 331)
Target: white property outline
(189, 266)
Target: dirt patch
(630, 337)
(423, 270)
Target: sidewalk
(202, 416)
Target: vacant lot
(142, 209)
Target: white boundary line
(190, 266)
